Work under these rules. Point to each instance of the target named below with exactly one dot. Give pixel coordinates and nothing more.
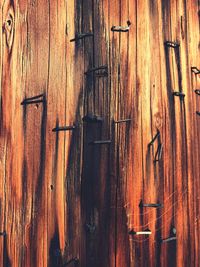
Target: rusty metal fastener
(154, 138)
(102, 142)
(64, 128)
(90, 228)
(124, 120)
(74, 260)
(101, 74)
(180, 94)
(145, 232)
(169, 239)
(121, 28)
(33, 100)
(172, 237)
(158, 155)
(3, 233)
(150, 205)
(195, 70)
(172, 44)
(90, 118)
(105, 67)
(197, 91)
(80, 36)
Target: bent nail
(64, 128)
(121, 28)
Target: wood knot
(8, 28)
(157, 120)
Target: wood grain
(65, 201)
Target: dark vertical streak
(55, 257)
(39, 197)
(6, 259)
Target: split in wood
(81, 36)
(3, 233)
(171, 238)
(198, 113)
(180, 94)
(195, 70)
(146, 232)
(102, 142)
(151, 205)
(123, 121)
(101, 71)
(34, 100)
(90, 118)
(154, 138)
(121, 28)
(158, 154)
(74, 260)
(64, 128)
(197, 91)
(172, 44)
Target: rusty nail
(3, 233)
(168, 239)
(121, 28)
(172, 44)
(172, 237)
(80, 36)
(180, 94)
(90, 228)
(101, 74)
(102, 142)
(145, 232)
(158, 153)
(33, 100)
(154, 138)
(90, 118)
(197, 91)
(195, 70)
(124, 120)
(150, 205)
(75, 260)
(64, 128)
(98, 69)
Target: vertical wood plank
(122, 138)
(190, 39)
(89, 209)
(55, 145)
(102, 186)
(73, 141)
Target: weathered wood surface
(62, 198)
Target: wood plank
(12, 88)
(89, 209)
(73, 141)
(122, 132)
(55, 194)
(102, 101)
(191, 36)
(35, 60)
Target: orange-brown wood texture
(70, 197)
